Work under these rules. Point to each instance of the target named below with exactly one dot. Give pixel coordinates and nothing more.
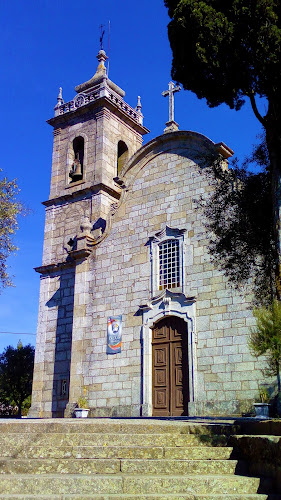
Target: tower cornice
(84, 192)
(99, 97)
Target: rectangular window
(63, 388)
(169, 264)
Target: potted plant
(262, 407)
(83, 406)
(265, 340)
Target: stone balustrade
(83, 99)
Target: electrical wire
(22, 333)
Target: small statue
(76, 169)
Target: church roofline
(188, 140)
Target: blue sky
(46, 44)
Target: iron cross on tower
(101, 36)
(171, 124)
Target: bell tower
(94, 135)
(91, 133)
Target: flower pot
(262, 410)
(81, 412)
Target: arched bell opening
(76, 171)
(122, 155)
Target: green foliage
(265, 338)
(16, 372)
(224, 51)
(227, 52)
(264, 395)
(10, 208)
(82, 401)
(26, 405)
(238, 216)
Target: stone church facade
(123, 238)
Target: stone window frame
(167, 234)
(70, 159)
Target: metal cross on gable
(170, 93)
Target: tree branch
(255, 109)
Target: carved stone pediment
(167, 232)
(165, 299)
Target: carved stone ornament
(86, 226)
(79, 100)
(113, 208)
(97, 233)
(167, 297)
(167, 302)
(86, 240)
(167, 232)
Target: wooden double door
(170, 393)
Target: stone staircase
(106, 459)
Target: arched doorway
(170, 393)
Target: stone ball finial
(101, 57)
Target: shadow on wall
(63, 300)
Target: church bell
(76, 170)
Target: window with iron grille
(169, 264)
(167, 255)
(63, 387)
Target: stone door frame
(168, 304)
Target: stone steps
(183, 453)
(105, 460)
(146, 497)
(99, 439)
(118, 426)
(137, 452)
(129, 484)
(114, 466)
